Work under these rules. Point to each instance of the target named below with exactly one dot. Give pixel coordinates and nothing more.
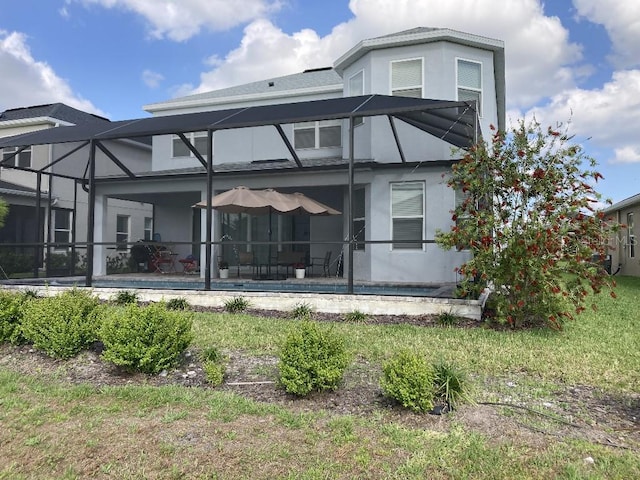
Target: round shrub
(214, 372)
(148, 339)
(11, 312)
(409, 379)
(61, 325)
(312, 359)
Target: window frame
(15, 161)
(392, 217)
(122, 244)
(148, 230)
(405, 88)
(191, 136)
(478, 90)
(56, 229)
(316, 129)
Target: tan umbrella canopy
(261, 202)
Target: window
(61, 227)
(631, 237)
(122, 231)
(407, 214)
(470, 82)
(23, 159)
(322, 134)
(406, 78)
(356, 87)
(461, 219)
(359, 218)
(197, 139)
(148, 228)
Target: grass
(50, 429)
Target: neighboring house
(624, 248)
(63, 201)
(392, 173)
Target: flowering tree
(527, 212)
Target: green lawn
(50, 429)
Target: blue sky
(566, 59)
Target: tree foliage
(4, 211)
(528, 212)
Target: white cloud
(609, 116)
(540, 58)
(180, 20)
(26, 81)
(621, 19)
(152, 79)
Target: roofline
(627, 202)
(205, 102)
(23, 193)
(441, 34)
(34, 121)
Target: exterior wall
(621, 253)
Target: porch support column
(209, 215)
(100, 234)
(350, 207)
(37, 256)
(74, 226)
(47, 233)
(91, 212)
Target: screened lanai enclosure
(387, 210)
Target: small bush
(450, 383)
(61, 325)
(446, 319)
(312, 359)
(302, 311)
(125, 297)
(11, 312)
(356, 316)
(179, 303)
(214, 372)
(409, 379)
(236, 305)
(148, 339)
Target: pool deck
(320, 293)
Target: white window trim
(391, 89)
(317, 135)
(464, 87)
(145, 229)
(128, 232)
(15, 161)
(66, 230)
(191, 136)
(424, 217)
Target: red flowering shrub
(530, 219)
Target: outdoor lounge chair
(324, 262)
(247, 259)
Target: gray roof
(627, 202)
(20, 190)
(409, 32)
(59, 111)
(321, 77)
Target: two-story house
(371, 137)
(63, 201)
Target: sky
(574, 61)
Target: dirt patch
(572, 412)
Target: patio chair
(247, 259)
(324, 262)
(163, 260)
(189, 264)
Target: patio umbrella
(261, 202)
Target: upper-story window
(470, 82)
(322, 134)
(406, 78)
(631, 235)
(23, 159)
(197, 139)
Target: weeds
(355, 316)
(125, 297)
(236, 305)
(302, 311)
